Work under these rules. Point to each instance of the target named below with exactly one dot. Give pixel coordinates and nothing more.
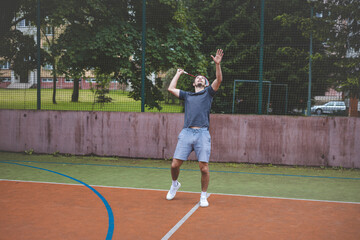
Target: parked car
(330, 107)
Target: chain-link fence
(280, 57)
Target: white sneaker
(172, 192)
(204, 202)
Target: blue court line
(216, 171)
(108, 208)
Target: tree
(51, 24)
(166, 83)
(101, 89)
(16, 48)
(337, 27)
(7, 12)
(69, 16)
(106, 35)
(20, 51)
(235, 27)
(342, 21)
(290, 48)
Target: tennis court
(68, 197)
(94, 93)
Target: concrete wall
(315, 141)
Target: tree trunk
(75, 94)
(24, 76)
(353, 107)
(54, 66)
(54, 83)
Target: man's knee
(204, 168)
(176, 163)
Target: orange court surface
(35, 210)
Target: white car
(330, 107)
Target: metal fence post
(143, 57)
(38, 41)
(261, 56)
(310, 73)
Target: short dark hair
(207, 83)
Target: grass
(230, 178)
(27, 99)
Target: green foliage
(235, 27)
(108, 38)
(337, 32)
(17, 48)
(106, 35)
(352, 86)
(56, 153)
(91, 40)
(20, 50)
(232, 26)
(166, 83)
(101, 89)
(29, 152)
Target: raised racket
(206, 81)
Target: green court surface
(331, 184)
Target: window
(48, 80)
(27, 58)
(48, 66)
(93, 80)
(24, 23)
(5, 66)
(49, 31)
(69, 80)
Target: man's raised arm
(172, 87)
(217, 59)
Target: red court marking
(236, 217)
(53, 211)
(48, 211)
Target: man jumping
(195, 134)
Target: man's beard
(200, 85)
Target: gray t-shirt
(197, 107)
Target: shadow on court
(58, 211)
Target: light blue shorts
(197, 140)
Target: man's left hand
(219, 54)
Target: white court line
(182, 221)
(163, 190)
(283, 198)
(76, 184)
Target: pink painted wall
(315, 141)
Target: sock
(175, 183)
(203, 194)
